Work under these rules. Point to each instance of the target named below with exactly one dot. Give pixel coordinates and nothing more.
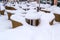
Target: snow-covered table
(32, 18)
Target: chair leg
(51, 23)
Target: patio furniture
(15, 24)
(32, 18)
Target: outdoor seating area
(29, 20)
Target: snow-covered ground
(43, 31)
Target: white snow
(45, 5)
(48, 17)
(5, 23)
(54, 9)
(32, 14)
(43, 31)
(2, 7)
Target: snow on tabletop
(33, 4)
(16, 6)
(47, 16)
(24, 6)
(45, 5)
(55, 9)
(9, 4)
(30, 5)
(20, 11)
(32, 14)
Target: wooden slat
(16, 24)
(9, 8)
(57, 17)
